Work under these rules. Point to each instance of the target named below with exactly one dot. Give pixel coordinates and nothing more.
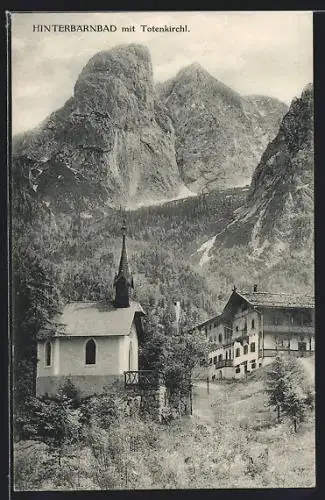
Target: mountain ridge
(220, 135)
(277, 217)
(115, 142)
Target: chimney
(255, 288)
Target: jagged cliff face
(278, 217)
(112, 141)
(119, 141)
(220, 135)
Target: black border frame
(319, 86)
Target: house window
(237, 328)
(237, 370)
(279, 341)
(215, 359)
(276, 319)
(237, 352)
(253, 324)
(306, 318)
(90, 352)
(210, 361)
(220, 338)
(226, 354)
(253, 364)
(48, 353)
(245, 349)
(220, 357)
(253, 347)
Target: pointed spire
(123, 279)
(124, 265)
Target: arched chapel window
(48, 353)
(90, 352)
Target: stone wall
(154, 402)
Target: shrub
(104, 409)
(71, 392)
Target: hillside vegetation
(233, 440)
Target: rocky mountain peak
(113, 135)
(121, 140)
(220, 136)
(194, 71)
(194, 78)
(277, 218)
(117, 79)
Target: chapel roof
(84, 319)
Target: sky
(269, 53)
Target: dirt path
(205, 398)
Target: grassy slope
(241, 406)
(232, 441)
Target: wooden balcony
(143, 379)
(270, 353)
(291, 329)
(223, 363)
(242, 338)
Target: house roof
(266, 299)
(81, 319)
(262, 300)
(215, 319)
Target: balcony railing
(143, 379)
(242, 338)
(300, 329)
(270, 353)
(223, 363)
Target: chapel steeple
(123, 279)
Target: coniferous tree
(276, 384)
(35, 302)
(286, 389)
(297, 396)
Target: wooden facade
(254, 327)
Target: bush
(104, 410)
(71, 392)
